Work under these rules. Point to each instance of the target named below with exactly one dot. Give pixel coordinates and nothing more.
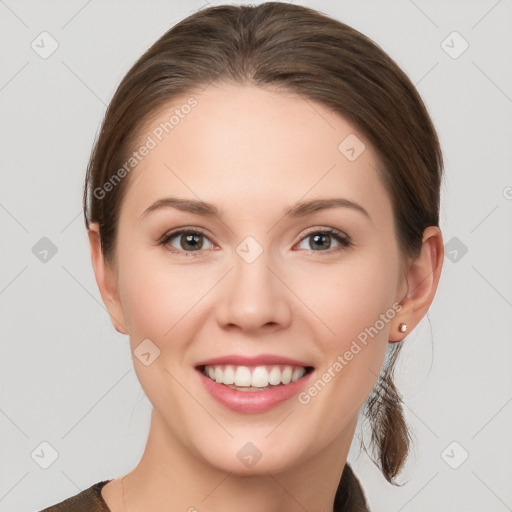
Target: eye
(188, 241)
(322, 239)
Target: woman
(262, 205)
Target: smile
(254, 378)
(251, 385)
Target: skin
(299, 299)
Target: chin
(249, 457)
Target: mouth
(253, 384)
(254, 378)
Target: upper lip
(261, 360)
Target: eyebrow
(210, 210)
(185, 205)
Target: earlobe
(423, 275)
(106, 281)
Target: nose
(253, 297)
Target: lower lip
(253, 401)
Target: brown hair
(299, 50)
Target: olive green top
(89, 500)
(349, 497)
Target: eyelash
(340, 237)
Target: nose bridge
(253, 296)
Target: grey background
(66, 375)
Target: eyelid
(340, 236)
(186, 229)
(318, 229)
(165, 239)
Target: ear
(422, 278)
(106, 280)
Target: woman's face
(254, 281)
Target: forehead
(250, 147)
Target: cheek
(354, 302)
(353, 356)
(151, 294)
(347, 298)
(161, 299)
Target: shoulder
(89, 500)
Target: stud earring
(402, 327)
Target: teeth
(242, 376)
(297, 374)
(259, 377)
(229, 375)
(286, 375)
(274, 377)
(254, 376)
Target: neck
(169, 474)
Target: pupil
(188, 239)
(320, 237)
